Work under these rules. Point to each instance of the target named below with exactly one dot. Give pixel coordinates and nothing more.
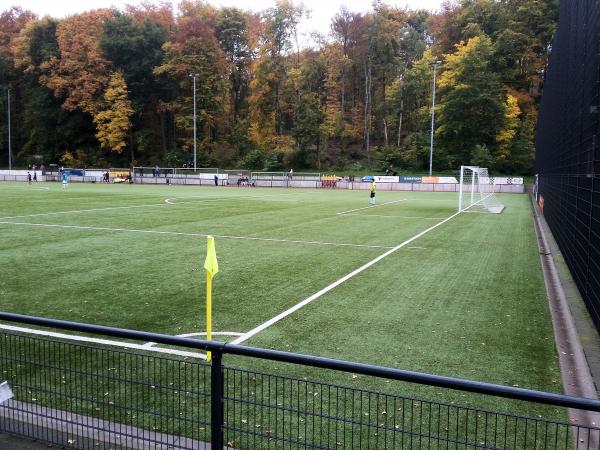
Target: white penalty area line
(91, 340)
(371, 206)
(179, 233)
(335, 284)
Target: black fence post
(216, 398)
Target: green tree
(232, 34)
(50, 129)
(134, 48)
(472, 111)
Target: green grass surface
(465, 300)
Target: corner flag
(210, 264)
(212, 267)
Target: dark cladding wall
(568, 157)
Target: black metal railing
(567, 158)
(83, 395)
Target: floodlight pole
(435, 65)
(9, 137)
(194, 81)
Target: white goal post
(476, 191)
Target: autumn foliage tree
(112, 121)
(79, 74)
(114, 87)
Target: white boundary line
(333, 285)
(109, 208)
(391, 217)
(179, 233)
(372, 206)
(73, 337)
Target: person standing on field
(372, 190)
(65, 179)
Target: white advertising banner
(387, 179)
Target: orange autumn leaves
(84, 80)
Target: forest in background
(114, 88)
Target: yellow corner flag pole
(212, 267)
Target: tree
(343, 28)
(232, 34)
(415, 99)
(133, 44)
(112, 121)
(49, 129)
(194, 50)
(12, 21)
(271, 71)
(308, 124)
(507, 133)
(364, 91)
(472, 112)
(80, 74)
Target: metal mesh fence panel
(567, 159)
(89, 397)
(265, 411)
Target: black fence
(568, 158)
(84, 396)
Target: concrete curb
(76, 431)
(576, 375)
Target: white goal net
(476, 191)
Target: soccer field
(464, 298)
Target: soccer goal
(476, 191)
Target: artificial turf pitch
(467, 299)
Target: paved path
(8, 441)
